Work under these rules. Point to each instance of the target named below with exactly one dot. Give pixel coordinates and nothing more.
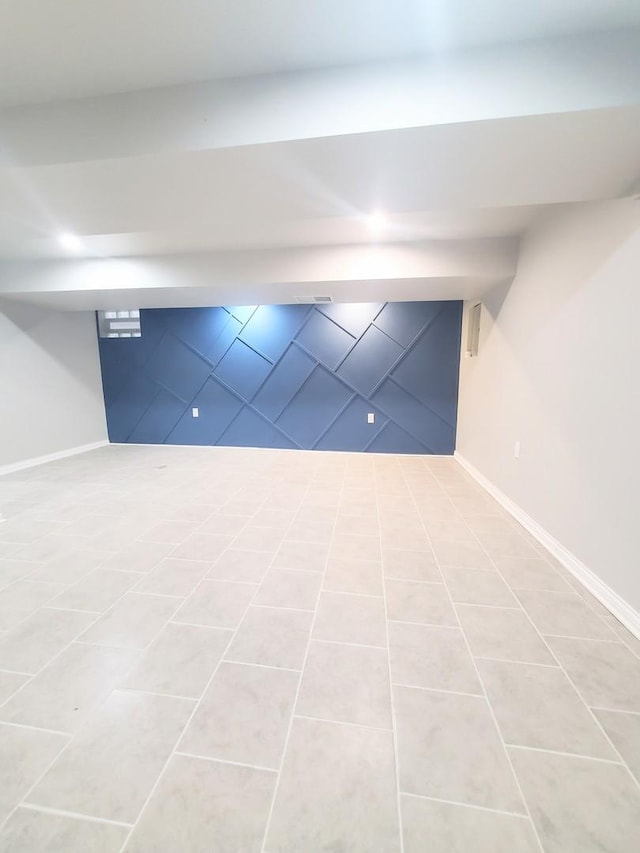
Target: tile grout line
(75, 815)
(578, 755)
(345, 643)
(597, 722)
(217, 760)
(488, 704)
(299, 687)
(438, 690)
(335, 722)
(394, 727)
(519, 815)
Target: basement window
(119, 324)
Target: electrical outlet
(371, 418)
(516, 450)
(195, 413)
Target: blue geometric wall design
(302, 376)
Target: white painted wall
(50, 386)
(558, 371)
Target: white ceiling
(59, 49)
(262, 184)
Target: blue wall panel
(289, 376)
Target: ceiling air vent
(313, 300)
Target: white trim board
(50, 457)
(610, 599)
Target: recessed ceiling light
(376, 221)
(70, 242)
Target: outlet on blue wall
(304, 376)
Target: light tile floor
(207, 649)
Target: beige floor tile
(505, 634)
(474, 586)
(15, 570)
(595, 604)
(326, 515)
(460, 829)
(405, 538)
(242, 566)
(64, 694)
(272, 637)
(204, 806)
(624, 634)
(37, 640)
(530, 573)
(8, 549)
(506, 544)
(180, 661)
(351, 545)
(424, 656)
(410, 565)
(276, 518)
(21, 598)
(24, 756)
(244, 716)
(563, 614)
(111, 766)
(133, 622)
(578, 804)
(462, 555)
(218, 604)
(172, 532)
(137, 556)
(97, 591)
(348, 684)
(311, 556)
(29, 830)
(227, 525)
(195, 512)
(350, 574)
(289, 588)
(69, 568)
(624, 731)
(10, 682)
(253, 538)
(449, 528)
(363, 525)
(336, 791)
(475, 502)
(426, 603)
(607, 675)
(48, 548)
(537, 706)
(345, 618)
(311, 530)
(173, 576)
(449, 748)
(202, 546)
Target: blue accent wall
(289, 376)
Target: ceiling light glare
(70, 242)
(376, 221)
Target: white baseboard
(623, 611)
(50, 457)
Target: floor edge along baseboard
(51, 457)
(619, 608)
